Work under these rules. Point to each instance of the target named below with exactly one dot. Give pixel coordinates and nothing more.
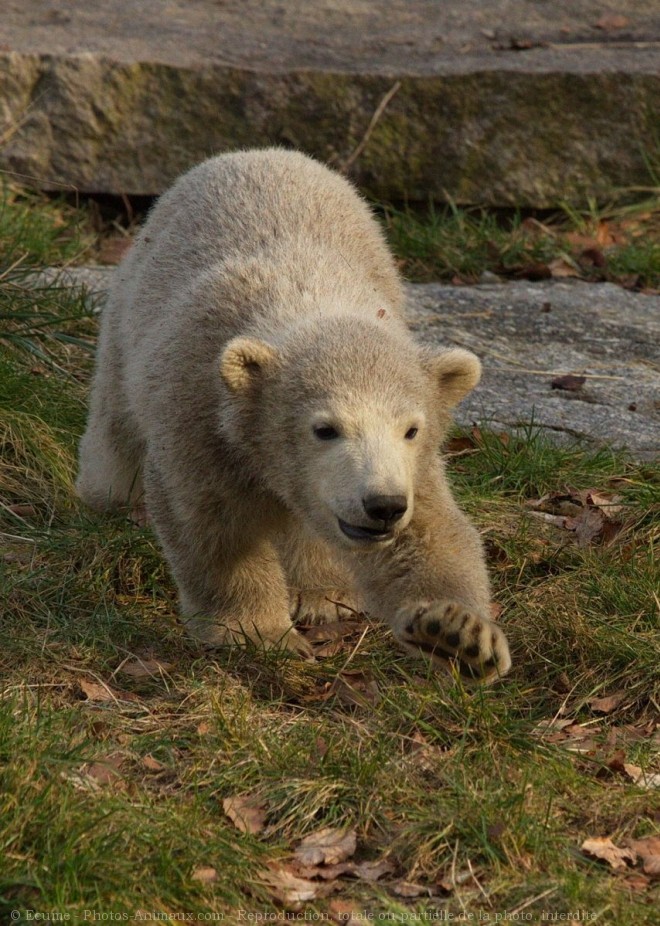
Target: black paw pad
(433, 628)
(453, 640)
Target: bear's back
(270, 205)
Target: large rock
(529, 103)
(529, 335)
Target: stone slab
(505, 103)
(526, 335)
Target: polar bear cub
(255, 383)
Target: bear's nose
(387, 508)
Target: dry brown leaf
(372, 871)
(561, 268)
(22, 511)
(637, 881)
(355, 689)
(648, 850)
(610, 22)
(246, 812)
(603, 849)
(408, 889)
(290, 890)
(327, 846)
(607, 703)
(554, 725)
(152, 764)
(569, 383)
(96, 691)
(105, 771)
(325, 872)
(460, 445)
(203, 728)
(337, 630)
(606, 501)
(343, 911)
(495, 610)
(100, 691)
(588, 526)
(648, 780)
(143, 668)
(205, 875)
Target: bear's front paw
(453, 635)
(325, 606)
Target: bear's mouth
(364, 534)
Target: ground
(139, 773)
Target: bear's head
(340, 418)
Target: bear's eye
(326, 432)
(411, 433)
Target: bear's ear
(244, 361)
(456, 373)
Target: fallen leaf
(555, 725)
(22, 511)
(203, 728)
(205, 875)
(344, 911)
(588, 526)
(460, 445)
(96, 691)
(326, 873)
(569, 383)
(495, 610)
(603, 849)
(648, 850)
(606, 501)
(423, 754)
(534, 271)
(327, 846)
(637, 881)
(246, 812)
(153, 765)
(610, 22)
(561, 268)
(335, 630)
(354, 689)
(290, 890)
(408, 889)
(105, 771)
(593, 256)
(648, 780)
(100, 691)
(606, 704)
(372, 871)
(143, 668)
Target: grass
(619, 243)
(112, 783)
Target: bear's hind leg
(321, 588)
(110, 455)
